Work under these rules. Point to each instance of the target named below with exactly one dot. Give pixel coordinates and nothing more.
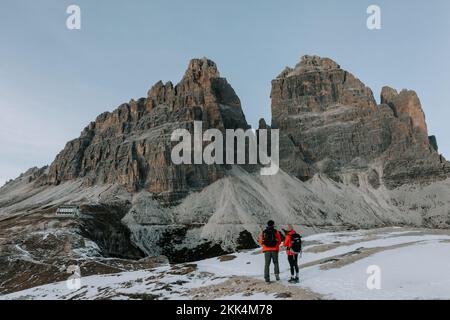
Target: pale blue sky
(53, 81)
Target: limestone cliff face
(131, 146)
(202, 87)
(407, 107)
(384, 168)
(329, 122)
(333, 121)
(314, 85)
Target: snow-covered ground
(413, 264)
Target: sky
(54, 81)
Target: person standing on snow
(293, 244)
(270, 239)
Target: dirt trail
(249, 286)
(342, 260)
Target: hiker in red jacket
(293, 245)
(270, 239)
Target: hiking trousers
(293, 262)
(269, 257)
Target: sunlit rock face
(334, 122)
(131, 146)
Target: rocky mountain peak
(388, 94)
(201, 70)
(328, 119)
(315, 85)
(201, 86)
(406, 104)
(336, 126)
(310, 64)
(131, 146)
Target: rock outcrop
(131, 146)
(334, 122)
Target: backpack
(270, 238)
(296, 245)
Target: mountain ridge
(346, 162)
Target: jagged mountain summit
(131, 146)
(336, 127)
(347, 162)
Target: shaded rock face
(104, 227)
(291, 159)
(433, 142)
(131, 146)
(333, 121)
(407, 108)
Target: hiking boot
(292, 280)
(296, 280)
(277, 277)
(268, 281)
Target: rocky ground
(114, 238)
(39, 248)
(333, 266)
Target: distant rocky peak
(201, 70)
(332, 118)
(131, 145)
(310, 64)
(201, 85)
(405, 104)
(388, 94)
(317, 84)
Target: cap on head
(271, 223)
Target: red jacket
(265, 248)
(288, 242)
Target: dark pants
(293, 262)
(271, 256)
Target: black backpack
(296, 246)
(270, 237)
